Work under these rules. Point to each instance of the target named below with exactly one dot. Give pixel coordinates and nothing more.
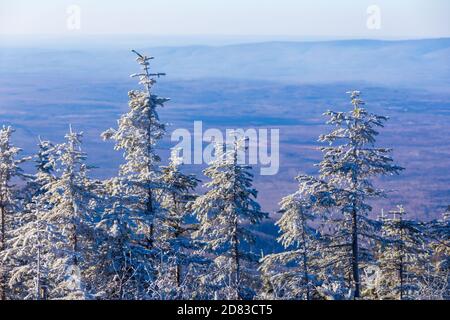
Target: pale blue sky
(336, 18)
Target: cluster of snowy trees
(146, 234)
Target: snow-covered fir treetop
(351, 152)
(5, 141)
(360, 124)
(231, 192)
(233, 152)
(227, 160)
(178, 186)
(175, 158)
(44, 159)
(140, 129)
(70, 153)
(398, 213)
(146, 78)
(9, 165)
(447, 214)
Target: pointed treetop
(175, 158)
(398, 213)
(73, 136)
(7, 131)
(447, 214)
(356, 100)
(146, 78)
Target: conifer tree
(441, 241)
(70, 213)
(9, 170)
(349, 165)
(225, 213)
(125, 268)
(179, 250)
(295, 272)
(30, 243)
(435, 282)
(137, 135)
(402, 256)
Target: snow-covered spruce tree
(295, 273)
(70, 212)
(402, 257)
(124, 267)
(226, 213)
(435, 282)
(350, 163)
(179, 254)
(440, 241)
(138, 134)
(29, 246)
(9, 170)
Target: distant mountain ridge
(405, 63)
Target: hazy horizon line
(42, 40)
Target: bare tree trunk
(401, 269)
(235, 235)
(2, 248)
(38, 268)
(355, 254)
(74, 237)
(237, 265)
(305, 275)
(151, 213)
(305, 257)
